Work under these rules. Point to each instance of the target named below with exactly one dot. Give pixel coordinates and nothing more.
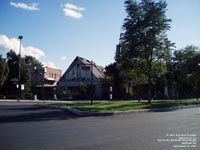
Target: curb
(84, 113)
(74, 111)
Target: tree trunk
(149, 89)
(149, 62)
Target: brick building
(44, 81)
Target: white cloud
(72, 10)
(32, 51)
(49, 64)
(32, 6)
(72, 13)
(7, 44)
(71, 6)
(63, 58)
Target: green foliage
(4, 70)
(32, 62)
(9, 87)
(186, 71)
(27, 62)
(115, 79)
(144, 44)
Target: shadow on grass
(171, 106)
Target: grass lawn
(123, 106)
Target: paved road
(26, 126)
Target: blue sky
(55, 32)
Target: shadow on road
(33, 113)
(24, 108)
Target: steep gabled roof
(98, 71)
(83, 60)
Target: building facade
(82, 80)
(44, 82)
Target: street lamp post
(19, 77)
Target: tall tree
(186, 72)
(115, 80)
(4, 70)
(9, 87)
(144, 38)
(32, 62)
(13, 64)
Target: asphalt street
(26, 126)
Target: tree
(114, 79)
(186, 71)
(9, 87)
(144, 39)
(27, 62)
(32, 62)
(4, 70)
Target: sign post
(111, 96)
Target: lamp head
(20, 37)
